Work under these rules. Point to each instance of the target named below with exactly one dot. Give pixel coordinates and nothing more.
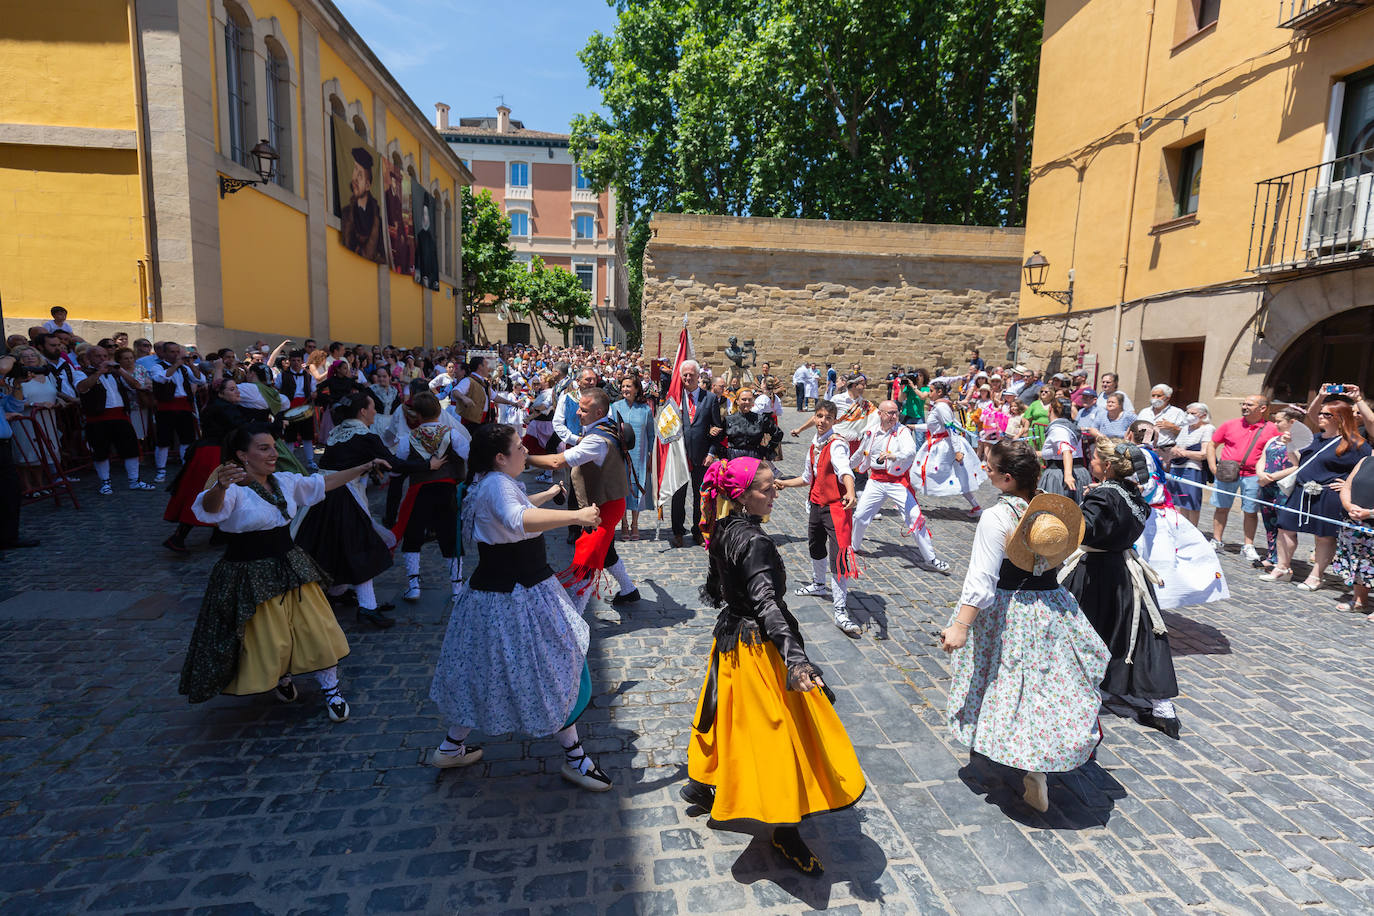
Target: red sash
(589, 554)
(408, 505)
(176, 403)
(297, 402)
(109, 413)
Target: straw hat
(1050, 530)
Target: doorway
(1177, 363)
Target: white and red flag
(670, 450)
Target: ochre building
(1207, 185)
(555, 214)
(119, 123)
(842, 292)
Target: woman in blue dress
(636, 413)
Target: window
(1194, 16)
(279, 112)
(336, 107)
(1189, 180)
(582, 337)
(1207, 12)
(519, 223)
(519, 174)
(586, 226)
(1356, 131)
(360, 126)
(449, 236)
(238, 72)
(582, 183)
(587, 274)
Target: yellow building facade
(119, 123)
(1201, 183)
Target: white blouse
(244, 510)
(499, 509)
(989, 550)
(1058, 436)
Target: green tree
(554, 295)
(490, 271)
(901, 110)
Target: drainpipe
(147, 267)
(1135, 180)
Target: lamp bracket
(1063, 296)
(229, 185)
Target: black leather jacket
(744, 435)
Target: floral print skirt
(1025, 685)
(1354, 557)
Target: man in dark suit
(698, 408)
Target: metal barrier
(34, 428)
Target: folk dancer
(766, 744)
(946, 463)
(1117, 590)
(174, 386)
(514, 657)
(298, 387)
(264, 618)
(600, 478)
(1026, 661)
(431, 500)
(105, 393)
(886, 452)
(830, 483)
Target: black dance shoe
(624, 598)
(1169, 726)
(699, 794)
(375, 617)
(788, 841)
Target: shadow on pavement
(1191, 637)
(1079, 800)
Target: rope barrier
(1362, 529)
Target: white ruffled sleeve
(985, 562)
(304, 491)
(231, 498)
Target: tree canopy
(490, 270)
(901, 110)
(552, 294)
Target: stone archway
(1337, 350)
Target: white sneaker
(846, 623)
(814, 590)
(413, 590)
(140, 485)
(160, 476)
(975, 512)
(935, 565)
(106, 489)
(1249, 552)
(1217, 545)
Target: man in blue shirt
(1091, 415)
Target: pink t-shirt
(1233, 436)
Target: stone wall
(1053, 344)
(841, 292)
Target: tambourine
(297, 414)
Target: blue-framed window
(585, 226)
(582, 183)
(519, 223)
(519, 174)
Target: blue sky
(467, 52)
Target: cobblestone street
(118, 796)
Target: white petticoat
(935, 472)
(511, 662)
(1176, 550)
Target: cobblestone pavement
(119, 796)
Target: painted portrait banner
(426, 243)
(400, 225)
(360, 212)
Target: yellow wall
(445, 329)
(407, 312)
(84, 73)
(353, 313)
(354, 89)
(71, 232)
(1261, 111)
(263, 266)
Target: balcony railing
(1315, 217)
(584, 196)
(1309, 14)
(518, 192)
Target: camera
(1330, 388)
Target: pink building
(553, 213)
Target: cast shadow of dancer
(656, 611)
(866, 609)
(1079, 799)
(850, 856)
(1192, 637)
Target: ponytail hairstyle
(1019, 460)
(488, 441)
(350, 405)
(239, 439)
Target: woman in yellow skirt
(766, 743)
(264, 617)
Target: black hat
(362, 157)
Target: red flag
(671, 450)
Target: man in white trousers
(886, 452)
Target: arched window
(238, 71)
(336, 107)
(360, 126)
(279, 111)
(450, 240)
(1339, 350)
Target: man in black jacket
(698, 409)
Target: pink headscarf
(727, 478)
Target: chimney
(440, 116)
(502, 119)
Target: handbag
(1229, 471)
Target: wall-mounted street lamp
(265, 163)
(1035, 267)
